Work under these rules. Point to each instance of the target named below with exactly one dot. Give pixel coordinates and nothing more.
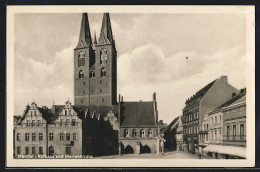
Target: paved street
(167, 155)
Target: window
(134, 133)
(61, 122)
(18, 150)
(33, 137)
(242, 131)
(18, 137)
(100, 90)
(35, 113)
(142, 133)
(234, 130)
(26, 150)
(51, 136)
(126, 134)
(39, 122)
(40, 150)
(103, 56)
(65, 112)
(73, 122)
(70, 112)
(207, 126)
(81, 59)
(92, 74)
(31, 113)
(40, 136)
(212, 120)
(61, 137)
(81, 74)
(220, 121)
(197, 129)
(33, 122)
(33, 150)
(103, 71)
(228, 131)
(74, 136)
(102, 99)
(68, 150)
(215, 137)
(211, 135)
(68, 136)
(150, 133)
(197, 115)
(27, 137)
(67, 121)
(28, 123)
(83, 92)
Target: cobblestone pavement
(167, 155)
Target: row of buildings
(213, 123)
(97, 124)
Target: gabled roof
(239, 98)
(201, 92)
(137, 114)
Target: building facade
(207, 99)
(97, 124)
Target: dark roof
(201, 92)
(137, 114)
(171, 125)
(236, 99)
(102, 110)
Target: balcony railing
(236, 138)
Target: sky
(151, 48)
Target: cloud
(146, 70)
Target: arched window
(92, 74)
(142, 133)
(134, 133)
(81, 74)
(150, 133)
(103, 71)
(81, 59)
(126, 134)
(103, 56)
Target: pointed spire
(85, 36)
(95, 38)
(106, 30)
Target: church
(97, 124)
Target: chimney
(242, 90)
(224, 78)
(154, 96)
(233, 95)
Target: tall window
(234, 130)
(103, 71)
(212, 120)
(216, 119)
(228, 132)
(211, 135)
(74, 136)
(33, 137)
(134, 133)
(33, 122)
(33, 150)
(150, 133)
(73, 122)
(68, 136)
(103, 56)
(51, 136)
(27, 137)
(35, 113)
(65, 112)
(40, 151)
(68, 150)
(18, 150)
(91, 74)
(81, 74)
(81, 59)
(67, 121)
(40, 136)
(242, 131)
(215, 135)
(18, 137)
(126, 134)
(27, 150)
(142, 133)
(39, 122)
(220, 120)
(61, 137)
(197, 115)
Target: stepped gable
(137, 114)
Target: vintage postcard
(130, 86)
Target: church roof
(137, 114)
(85, 36)
(106, 36)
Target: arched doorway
(145, 149)
(51, 151)
(128, 150)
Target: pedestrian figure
(162, 140)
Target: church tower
(95, 66)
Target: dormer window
(103, 71)
(81, 74)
